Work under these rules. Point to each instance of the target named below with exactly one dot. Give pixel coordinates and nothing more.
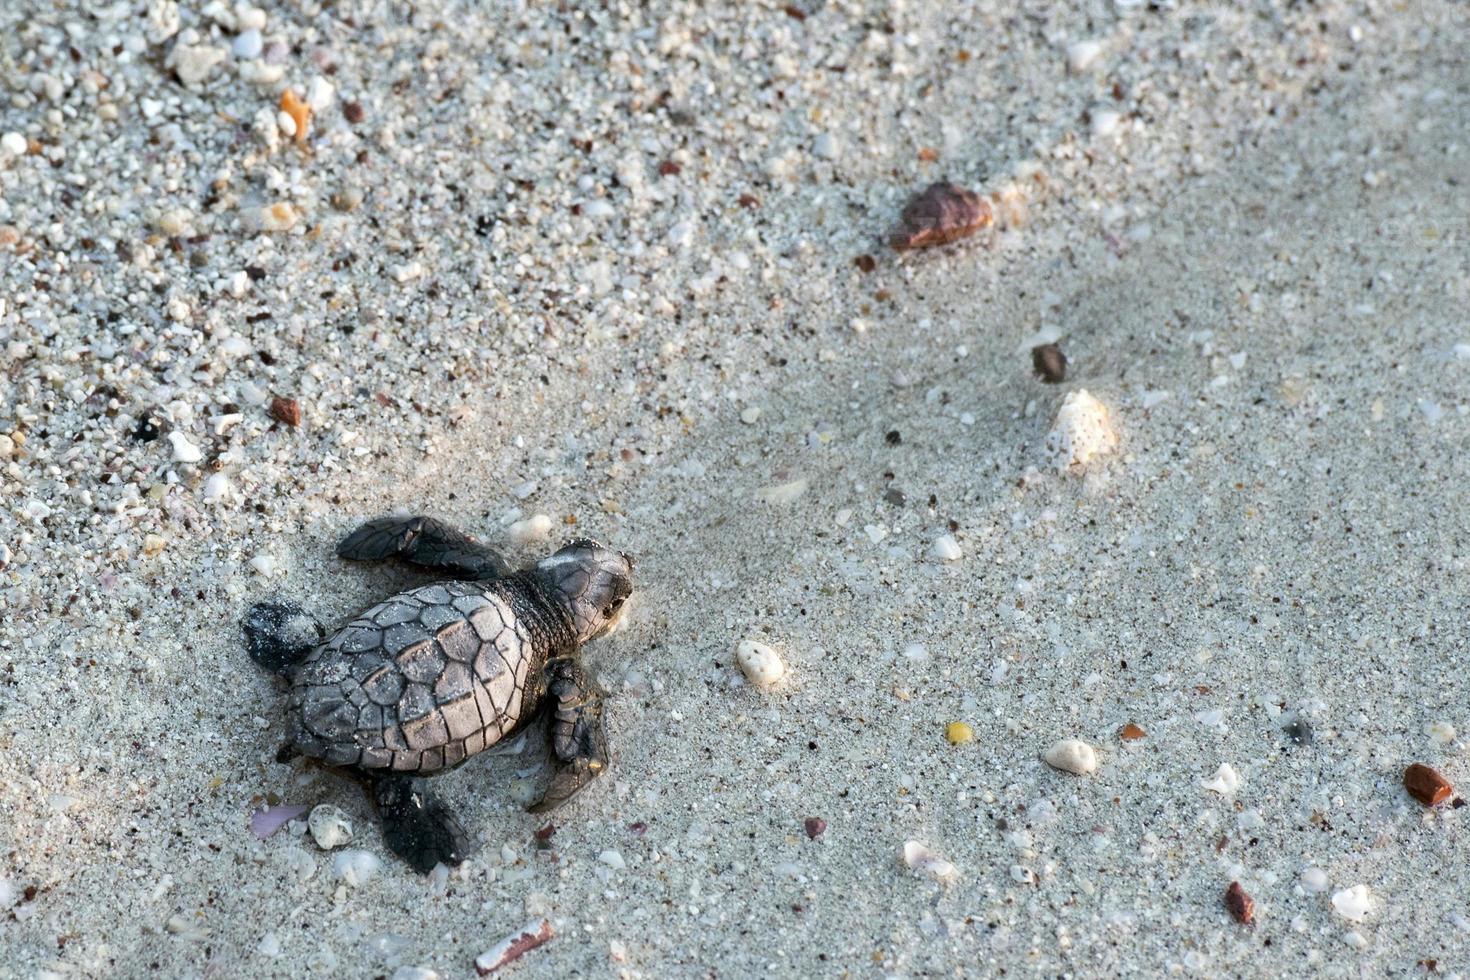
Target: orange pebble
(299, 112)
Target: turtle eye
(612, 609)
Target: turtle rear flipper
(279, 635)
(425, 542)
(416, 825)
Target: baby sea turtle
(423, 680)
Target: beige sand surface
(1260, 265)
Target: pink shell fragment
(940, 214)
(269, 819)
(535, 933)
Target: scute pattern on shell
(421, 681)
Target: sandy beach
(627, 266)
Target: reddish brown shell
(940, 214)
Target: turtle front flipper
(279, 635)
(425, 542)
(416, 825)
(578, 748)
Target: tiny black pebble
(894, 437)
(1049, 363)
(1299, 732)
(895, 497)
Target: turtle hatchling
(427, 678)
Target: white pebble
(1353, 903)
(1314, 880)
(1071, 755)
(1105, 122)
(826, 146)
(217, 489)
(414, 973)
(184, 450)
(750, 415)
(1225, 781)
(946, 548)
(922, 861)
(761, 665)
(269, 946)
(1354, 938)
(355, 866)
(1081, 55)
(175, 221)
(247, 45)
(329, 827)
(273, 217)
(263, 565)
(320, 94)
(783, 493)
(1083, 429)
(194, 63)
(875, 532)
(249, 18)
(535, 528)
(1441, 731)
(613, 860)
(13, 144)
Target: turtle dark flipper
(426, 542)
(279, 635)
(578, 749)
(416, 825)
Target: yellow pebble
(959, 733)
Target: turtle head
(592, 582)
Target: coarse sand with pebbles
(546, 270)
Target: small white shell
(922, 861)
(355, 866)
(329, 826)
(1071, 755)
(1083, 429)
(534, 528)
(762, 665)
(1225, 782)
(1353, 903)
(946, 548)
(184, 450)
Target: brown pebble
(353, 112)
(940, 214)
(287, 410)
(749, 201)
(1049, 363)
(865, 263)
(814, 827)
(1427, 785)
(669, 169)
(1242, 907)
(1131, 732)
